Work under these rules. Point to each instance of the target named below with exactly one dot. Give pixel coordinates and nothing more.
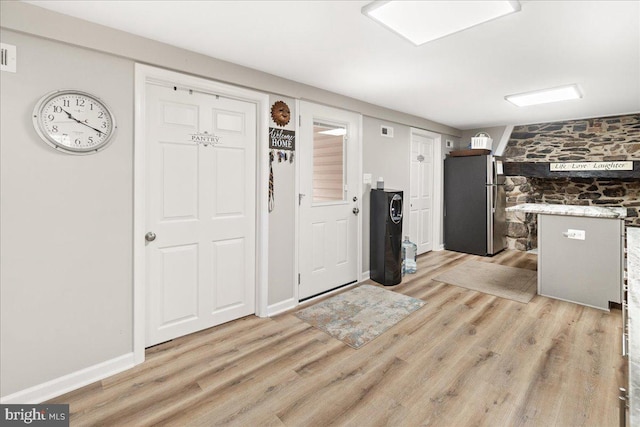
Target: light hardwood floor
(464, 359)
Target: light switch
(366, 178)
(8, 57)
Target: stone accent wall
(521, 227)
(588, 140)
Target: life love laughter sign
(591, 166)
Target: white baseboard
(45, 391)
(366, 275)
(439, 248)
(282, 306)
(325, 294)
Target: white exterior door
(201, 197)
(329, 169)
(421, 192)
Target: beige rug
(513, 283)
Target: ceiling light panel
(545, 96)
(424, 21)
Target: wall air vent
(7, 57)
(386, 131)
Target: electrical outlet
(366, 178)
(575, 234)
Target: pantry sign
(591, 166)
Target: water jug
(409, 251)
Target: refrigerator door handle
(490, 212)
(495, 196)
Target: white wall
(66, 222)
(389, 158)
(66, 280)
(281, 225)
(439, 184)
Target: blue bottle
(409, 251)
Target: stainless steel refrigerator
(474, 205)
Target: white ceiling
(460, 80)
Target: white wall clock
(74, 122)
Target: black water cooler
(385, 241)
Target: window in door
(328, 163)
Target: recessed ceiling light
(423, 21)
(544, 96)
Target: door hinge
(300, 120)
(298, 278)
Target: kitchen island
(570, 210)
(580, 252)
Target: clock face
(74, 122)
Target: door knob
(150, 236)
(356, 211)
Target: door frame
(437, 210)
(359, 276)
(146, 74)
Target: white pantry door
(201, 197)
(329, 205)
(421, 192)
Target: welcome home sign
(281, 139)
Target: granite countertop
(572, 210)
(633, 297)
